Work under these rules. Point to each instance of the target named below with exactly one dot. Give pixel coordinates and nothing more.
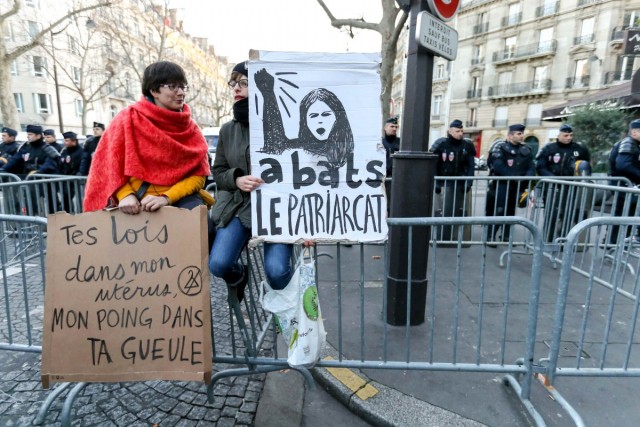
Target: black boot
(239, 286)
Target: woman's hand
(264, 80)
(153, 203)
(130, 205)
(248, 183)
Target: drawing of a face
(320, 120)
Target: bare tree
(88, 77)
(8, 109)
(389, 27)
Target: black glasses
(174, 87)
(243, 83)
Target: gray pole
(55, 81)
(412, 187)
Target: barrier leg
(42, 413)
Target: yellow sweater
(186, 187)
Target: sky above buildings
(278, 25)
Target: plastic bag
(298, 317)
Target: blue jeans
(226, 250)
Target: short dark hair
(161, 72)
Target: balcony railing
(481, 28)
(499, 123)
(471, 123)
(546, 10)
(587, 2)
(542, 48)
(577, 82)
(589, 38)
(510, 20)
(617, 33)
(616, 76)
(477, 61)
(474, 93)
(435, 117)
(532, 121)
(516, 89)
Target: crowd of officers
(512, 157)
(43, 154)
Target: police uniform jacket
(624, 160)
(89, 148)
(557, 159)
(8, 149)
(70, 159)
(34, 156)
(455, 157)
(57, 146)
(509, 159)
(232, 161)
(390, 147)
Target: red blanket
(145, 141)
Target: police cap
(9, 131)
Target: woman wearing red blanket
(152, 147)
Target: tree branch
(356, 23)
(37, 39)
(10, 12)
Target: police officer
(50, 138)
(455, 158)
(624, 160)
(70, 159)
(90, 146)
(33, 157)
(509, 158)
(71, 154)
(391, 144)
(560, 158)
(9, 145)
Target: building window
(14, 67)
(34, 28)
(514, 14)
(440, 72)
(510, 46)
(73, 45)
(545, 42)
(8, 32)
(42, 103)
(534, 115)
(586, 31)
(31, 3)
(39, 66)
(79, 107)
(17, 97)
(75, 72)
(502, 117)
(436, 106)
(114, 111)
(478, 54)
(540, 75)
(473, 117)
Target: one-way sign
(631, 43)
(436, 37)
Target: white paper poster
(315, 125)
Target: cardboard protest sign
(315, 126)
(127, 297)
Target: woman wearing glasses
(232, 211)
(153, 153)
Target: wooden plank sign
(127, 297)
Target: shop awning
(620, 94)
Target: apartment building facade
(517, 58)
(90, 68)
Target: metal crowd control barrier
(40, 195)
(598, 315)
(22, 254)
